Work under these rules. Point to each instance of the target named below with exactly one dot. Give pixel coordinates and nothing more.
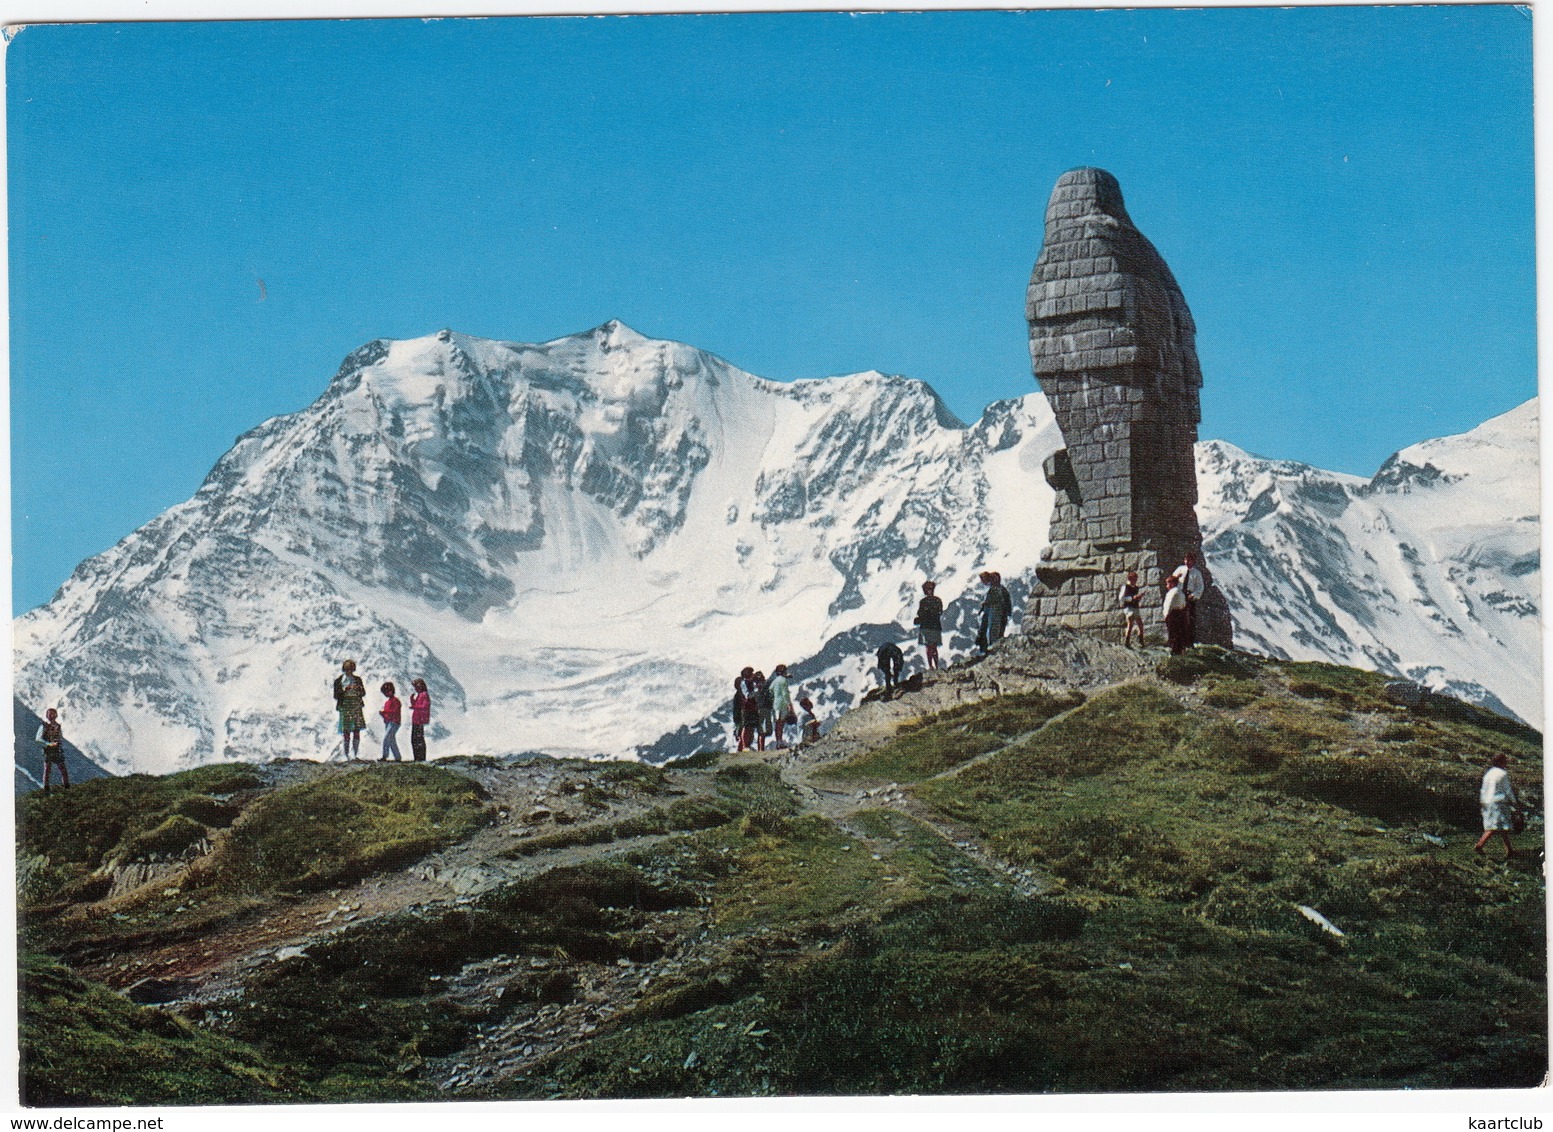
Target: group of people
(350, 699)
(997, 608)
(1183, 590)
(764, 709)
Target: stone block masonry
(1113, 347)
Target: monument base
(1082, 593)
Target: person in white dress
(1499, 805)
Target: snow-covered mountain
(1430, 570)
(579, 543)
(576, 543)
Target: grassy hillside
(1041, 891)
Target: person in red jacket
(420, 716)
(391, 714)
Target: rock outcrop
(1112, 346)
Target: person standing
(781, 706)
(997, 608)
(392, 714)
(890, 660)
(1175, 616)
(763, 726)
(930, 623)
(809, 725)
(1190, 579)
(1500, 805)
(746, 709)
(1131, 599)
(420, 716)
(350, 699)
(51, 737)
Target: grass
(1171, 957)
(953, 737)
(331, 830)
(1177, 824)
(110, 820)
(340, 828)
(366, 1005)
(754, 788)
(681, 815)
(84, 1045)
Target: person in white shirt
(1175, 616)
(1499, 805)
(1190, 579)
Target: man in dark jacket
(996, 609)
(890, 661)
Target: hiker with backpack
(51, 737)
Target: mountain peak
(616, 333)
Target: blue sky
(205, 218)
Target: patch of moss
(681, 815)
(1206, 661)
(98, 821)
(84, 1045)
(1232, 693)
(208, 811)
(1386, 785)
(1125, 724)
(754, 786)
(787, 872)
(950, 738)
(1335, 683)
(343, 827)
(367, 1003)
(171, 838)
(698, 761)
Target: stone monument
(1112, 346)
